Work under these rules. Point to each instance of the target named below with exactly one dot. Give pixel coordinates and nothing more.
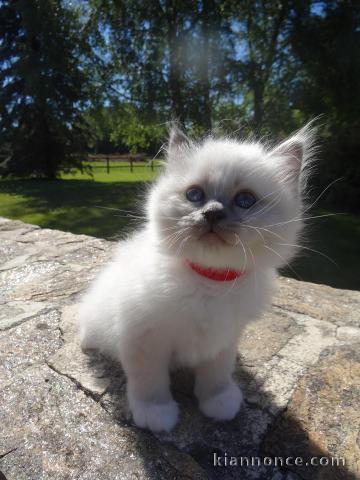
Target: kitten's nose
(214, 214)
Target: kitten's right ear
(295, 154)
(177, 141)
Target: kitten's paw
(155, 416)
(224, 405)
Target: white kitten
(221, 218)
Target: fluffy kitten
(220, 219)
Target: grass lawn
(73, 204)
(119, 172)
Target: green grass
(119, 172)
(72, 204)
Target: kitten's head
(224, 203)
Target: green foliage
(120, 128)
(43, 88)
(137, 136)
(169, 56)
(329, 84)
(105, 76)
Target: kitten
(220, 219)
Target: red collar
(216, 274)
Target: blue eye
(244, 199)
(195, 194)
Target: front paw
(155, 416)
(224, 405)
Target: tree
(329, 84)
(119, 128)
(168, 55)
(260, 35)
(269, 64)
(44, 88)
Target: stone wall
(64, 415)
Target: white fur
(148, 310)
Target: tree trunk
(50, 161)
(260, 71)
(258, 91)
(177, 104)
(204, 78)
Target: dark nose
(214, 215)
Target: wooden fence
(130, 159)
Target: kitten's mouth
(212, 238)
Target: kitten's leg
(219, 397)
(148, 388)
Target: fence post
(131, 165)
(107, 165)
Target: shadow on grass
(78, 206)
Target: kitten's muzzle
(214, 213)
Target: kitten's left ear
(177, 141)
(295, 153)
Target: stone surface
(63, 414)
(326, 405)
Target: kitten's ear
(291, 151)
(295, 153)
(177, 141)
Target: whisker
(305, 218)
(258, 232)
(163, 146)
(182, 245)
(134, 217)
(283, 259)
(266, 208)
(230, 289)
(115, 209)
(234, 282)
(265, 229)
(311, 250)
(131, 212)
(175, 236)
(172, 235)
(243, 247)
(172, 227)
(277, 191)
(322, 193)
(255, 278)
